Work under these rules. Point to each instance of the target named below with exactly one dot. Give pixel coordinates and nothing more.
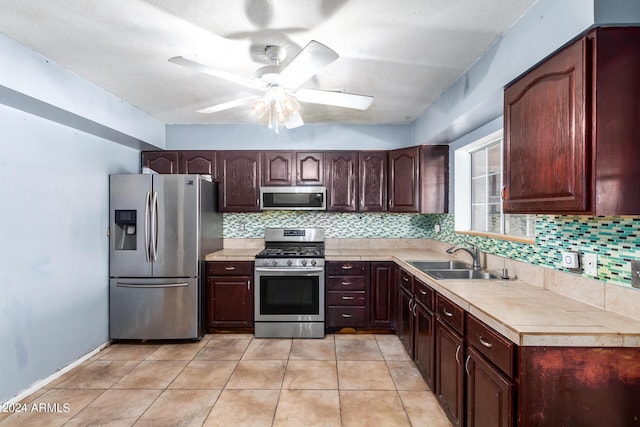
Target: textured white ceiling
(404, 53)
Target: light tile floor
(236, 380)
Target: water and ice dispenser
(125, 229)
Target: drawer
(496, 348)
(343, 268)
(450, 314)
(424, 294)
(339, 317)
(406, 280)
(346, 283)
(233, 268)
(346, 298)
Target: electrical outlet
(635, 274)
(590, 264)
(570, 260)
(437, 228)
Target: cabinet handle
(248, 285)
(457, 352)
(410, 301)
(230, 268)
(347, 298)
(346, 316)
(405, 278)
(504, 187)
(466, 365)
(422, 292)
(345, 283)
(485, 342)
(414, 309)
(347, 267)
(446, 313)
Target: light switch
(570, 260)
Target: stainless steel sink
(440, 265)
(467, 274)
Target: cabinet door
(341, 177)
(405, 319)
(434, 179)
(425, 343)
(404, 180)
(372, 181)
(546, 146)
(490, 395)
(309, 168)
(277, 168)
(240, 175)
(449, 385)
(230, 301)
(165, 162)
(200, 162)
(382, 295)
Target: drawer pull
(405, 278)
(446, 313)
(347, 298)
(422, 292)
(346, 316)
(230, 268)
(485, 342)
(347, 267)
(345, 283)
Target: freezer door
(149, 309)
(174, 221)
(128, 247)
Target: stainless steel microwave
(293, 198)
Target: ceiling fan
(281, 85)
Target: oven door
(289, 295)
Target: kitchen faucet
(475, 254)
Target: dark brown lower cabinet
(490, 394)
(405, 318)
(382, 295)
(424, 346)
(449, 385)
(230, 295)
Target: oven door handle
(291, 271)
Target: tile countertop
(527, 315)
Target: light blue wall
(308, 137)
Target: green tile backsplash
(616, 240)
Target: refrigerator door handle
(168, 285)
(147, 248)
(154, 226)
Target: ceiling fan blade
(228, 105)
(310, 61)
(338, 99)
(225, 75)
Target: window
(478, 188)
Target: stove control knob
(289, 263)
(313, 262)
(304, 262)
(274, 262)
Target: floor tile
(268, 349)
(204, 374)
(308, 408)
(62, 405)
(243, 408)
(152, 374)
(115, 408)
(406, 376)
(138, 351)
(358, 350)
(182, 408)
(183, 351)
(231, 336)
(383, 337)
(311, 375)
(373, 408)
(218, 349)
(99, 374)
(393, 350)
(306, 349)
(423, 409)
(364, 375)
(354, 337)
(258, 374)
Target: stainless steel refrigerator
(161, 228)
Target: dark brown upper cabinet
(199, 162)
(570, 129)
(372, 188)
(278, 168)
(309, 168)
(419, 179)
(165, 162)
(341, 176)
(240, 181)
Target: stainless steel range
(289, 277)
